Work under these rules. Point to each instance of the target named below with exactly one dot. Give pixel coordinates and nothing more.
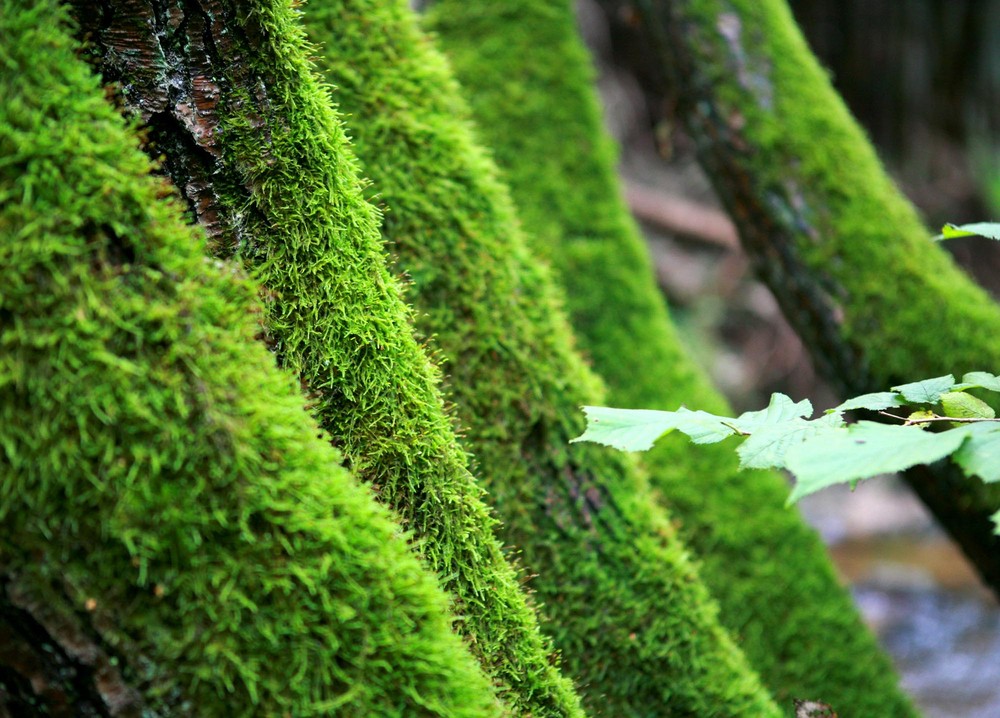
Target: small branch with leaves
(943, 419)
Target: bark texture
(175, 539)
(529, 80)
(633, 622)
(251, 140)
(873, 298)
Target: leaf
(980, 454)
(768, 446)
(927, 391)
(996, 522)
(702, 427)
(959, 405)
(625, 429)
(864, 450)
(990, 230)
(780, 409)
(980, 380)
(874, 402)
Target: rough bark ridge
(847, 257)
(174, 537)
(530, 83)
(254, 145)
(633, 623)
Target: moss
(530, 84)
(157, 468)
(635, 626)
(291, 208)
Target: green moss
(156, 468)
(530, 84)
(293, 212)
(635, 626)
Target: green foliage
(940, 419)
(990, 230)
(161, 485)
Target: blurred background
(923, 78)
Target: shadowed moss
(290, 207)
(634, 624)
(160, 479)
(530, 83)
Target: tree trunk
(251, 140)
(778, 592)
(633, 624)
(174, 538)
(846, 256)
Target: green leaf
(996, 522)
(980, 454)
(875, 402)
(780, 409)
(981, 380)
(959, 405)
(990, 230)
(864, 450)
(626, 429)
(927, 391)
(702, 427)
(768, 446)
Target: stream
(919, 595)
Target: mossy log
(634, 624)
(174, 537)
(530, 83)
(876, 302)
(251, 140)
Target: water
(918, 594)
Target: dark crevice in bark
(54, 664)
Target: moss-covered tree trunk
(848, 259)
(529, 80)
(582, 520)
(252, 142)
(174, 537)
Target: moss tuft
(291, 209)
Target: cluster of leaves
(927, 421)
